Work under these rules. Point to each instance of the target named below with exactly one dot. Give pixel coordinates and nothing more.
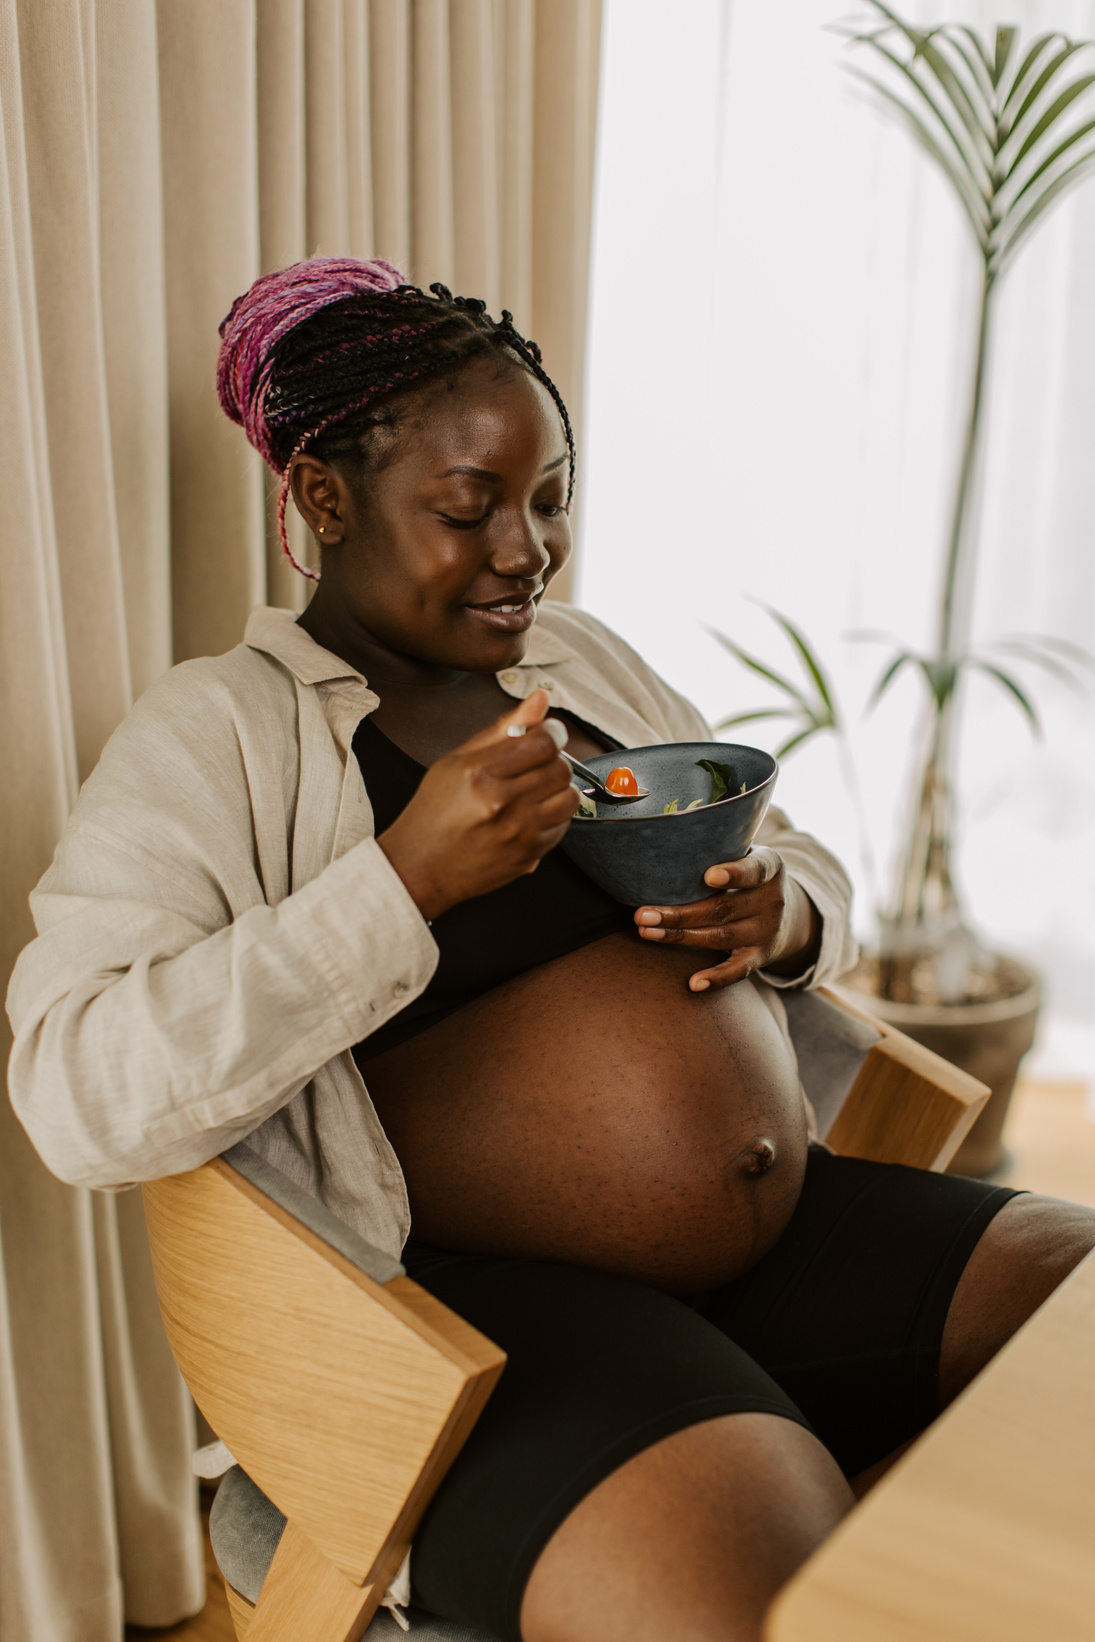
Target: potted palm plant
(1011, 128)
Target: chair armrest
(345, 1398)
(907, 1104)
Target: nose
(519, 553)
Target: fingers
(525, 715)
(760, 865)
(733, 969)
(716, 911)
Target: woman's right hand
(485, 813)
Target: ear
(321, 497)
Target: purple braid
(313, 347)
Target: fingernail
(716, 877)
(650, 917)
(653, 934)
(698, 984)
(516, 729)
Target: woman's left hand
(760, 917)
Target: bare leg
(690, 1539)
(1026, 1251)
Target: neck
(331, 624)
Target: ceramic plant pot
(988, 1040)
(639, 854)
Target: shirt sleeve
(829, 888)
(157, 1020)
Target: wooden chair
(345, 1391)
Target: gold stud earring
(322, 528)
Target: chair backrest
(344, 1395)
(877, 1093)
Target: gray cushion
(245, 1527)
(831, 1046)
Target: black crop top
(488, 940)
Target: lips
(506, 615)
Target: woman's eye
(551, 510)
(462, 524)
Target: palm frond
(812, 710)
(756, 666)
(999, 122)
(755, 716)
(796, 740)
(1012, 687)
(888, 675)
(810, 662)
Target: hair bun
(275, 304)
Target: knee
(1041, 1239)
(692, 1538)
(1026, 1251)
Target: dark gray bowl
(639, 854)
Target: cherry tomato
(622, 780)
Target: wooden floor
(1052, 1144)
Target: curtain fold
(155, 156)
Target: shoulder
(192, 737)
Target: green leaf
(973, 203)
(1073, 137)
(973, 161)
(949, 83)
(1005, 250)
(1035, 50)
(941, 677)
(1005, 40)
(756, 666)
(810, 661)
(977, 62)
(755, 716)
(1064, 646)
(796, 740)
(1053, 113)
(722, 777)
(1049, 659)
(1009, 684)
(888, 677)
(1068, 49)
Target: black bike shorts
(838, 1327)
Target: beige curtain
(154, 157)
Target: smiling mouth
(513, 616)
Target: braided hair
(313, 356)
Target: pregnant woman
(313, 896)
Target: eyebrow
(485, 473)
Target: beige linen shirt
(219, 925)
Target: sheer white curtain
(781, 323)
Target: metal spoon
(593, 785)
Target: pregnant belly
(594, 1110)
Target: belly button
(758, 1158)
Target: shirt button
(400, 989)
(509, 678)
(547, 684)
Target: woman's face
(443, 553)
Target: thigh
(847, 1311)
(691, 1539)
(1026, 1251)
(599, 1370)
